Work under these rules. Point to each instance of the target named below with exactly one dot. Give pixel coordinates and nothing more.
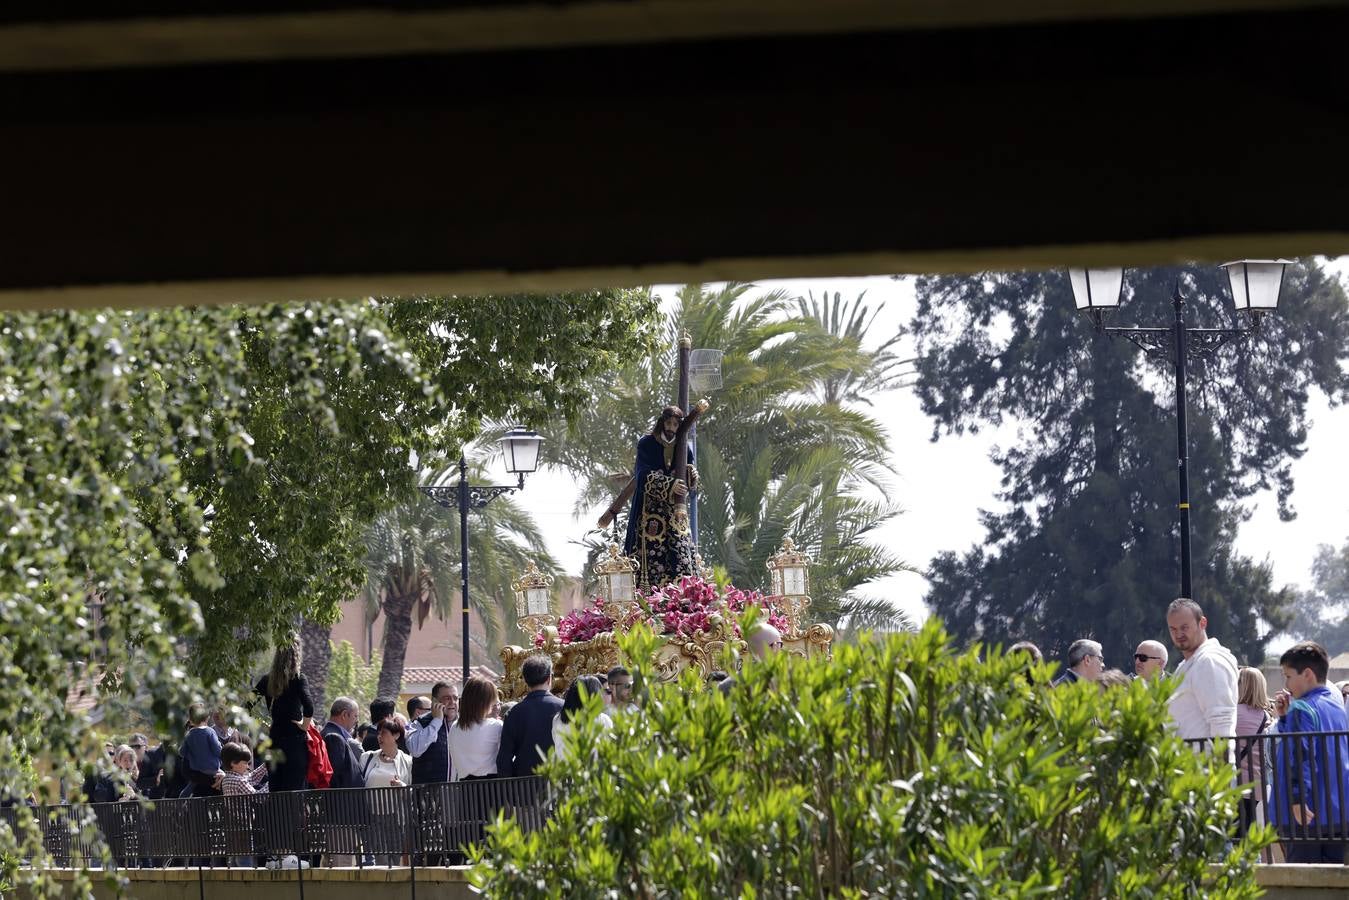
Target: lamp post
(1255, 287)
(521, 448)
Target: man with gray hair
(344, 752)
(1150, 660)
(1086, 662)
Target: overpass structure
(295, 149)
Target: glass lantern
(533, 600)
(618, 583)
(521, 447)
(1256, 283)
(1096, 289)
(789, 583)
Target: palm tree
(852, 322)
(784, 449)
(316, 656)
(412, 565)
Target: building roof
(420, 678)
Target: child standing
(1310, 794)
(241, 778)
(200, 754)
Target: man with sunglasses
(1150, 660)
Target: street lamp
(521, 448)
(1255, 290)
(1256, 283)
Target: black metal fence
(427, 824)
(1298, 783)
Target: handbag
(320, 772)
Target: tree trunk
(397, 631)
(317, 654)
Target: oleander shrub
(903, 766)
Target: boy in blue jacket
(1310, 794)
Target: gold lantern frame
(792, 603)
(611, 571)
(531, 621)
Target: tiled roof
(429, 675)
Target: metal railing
(428, 824)
(1297, 782)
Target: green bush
(901, 767)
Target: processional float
(658, 577)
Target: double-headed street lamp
(521, 448)
(1255, 291)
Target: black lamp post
(521, 448)
(1255, 291)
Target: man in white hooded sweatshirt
(1205, 703)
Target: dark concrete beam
(844, 154)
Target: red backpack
(320, 774)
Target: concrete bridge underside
(292, 150)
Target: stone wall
(263, 884)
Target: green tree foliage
(351, 676)
(177, 486)
(1321, 614)
(899, 767)
(785, 448)
(1087, 542)
(412, 570)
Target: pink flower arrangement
(686, 606)
(581, 624)
(682, 607)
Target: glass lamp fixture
(1096, 290)
(533, 599)
(618, 583)
(789, 584)
(521, 448)
(1256, 283)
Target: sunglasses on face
(1143, 657)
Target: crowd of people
(472, 734)
(447, 737)
(1303, 789)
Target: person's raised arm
(424, 736)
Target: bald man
(764, 639)
(1150, 660)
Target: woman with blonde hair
(1253, 720)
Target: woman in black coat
(292, 710)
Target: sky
(941, 486)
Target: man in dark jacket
(343, 751)
(428, 741)
(527, 735)
(379, 711)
